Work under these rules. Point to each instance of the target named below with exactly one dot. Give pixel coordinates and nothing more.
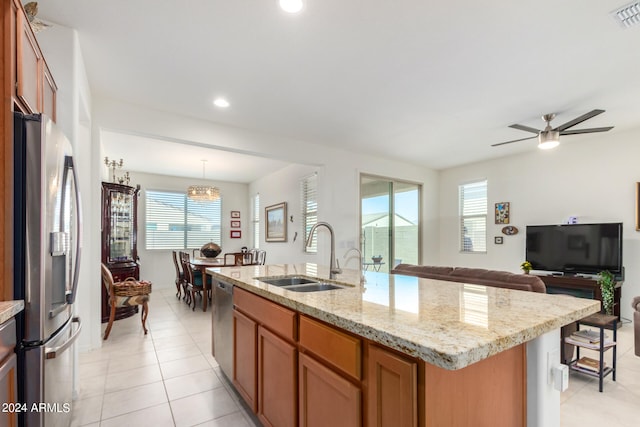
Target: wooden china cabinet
(119, 239)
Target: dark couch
(476, 276)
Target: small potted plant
(607, 282)
(526, 267)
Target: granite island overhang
(445, 324)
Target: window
(173, 221)
(473, 216)
(309, 195)
(255, 221)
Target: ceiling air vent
(628, 15)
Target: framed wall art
(236, 234)
(276, 223)
(235, 224)
(502, 213)
(235, 214)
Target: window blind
(172, 221)
(309, 203)
(473, 216)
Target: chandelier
(113, 165)
(203, 193)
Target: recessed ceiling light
(291, 6)
(221, 102)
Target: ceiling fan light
(548, 139)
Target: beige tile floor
(169, 378)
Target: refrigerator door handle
(71, 297)
(51, 353)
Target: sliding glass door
(389, 222)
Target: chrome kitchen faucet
(333, 267)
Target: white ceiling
(181, 158)
(432, 83)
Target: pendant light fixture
(203, 193)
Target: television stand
(581, 287)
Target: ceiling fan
(550, 137)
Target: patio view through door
(389, 222)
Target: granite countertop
(8, 309)
(447, 324)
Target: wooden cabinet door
(8, 390)
(326, 398)
(28, 64)
(277, 381)
(392, 394)
(49, 90)
(245, 357)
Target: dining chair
(234, 258)
(195, 284)
(127, 298)
(179, 275)
(260, 257)
(183, 257)
(250, 257)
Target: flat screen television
(575, 248)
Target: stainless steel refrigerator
(47, 227)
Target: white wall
(277, 187)
(61, 48)
(338, 204)
(157, 265)
(338, 179)
(593, 179)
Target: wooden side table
(602, 322)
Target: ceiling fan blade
(515, 140)
(525, 128)
(579, 120)
(591, 130)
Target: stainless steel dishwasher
(223, 326)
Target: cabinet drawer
(333, 346)
(274, 317)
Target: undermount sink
(299, 283)
(287, 281)
(313, 287)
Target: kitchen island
(471, 352)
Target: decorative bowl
(210, 250)
(377, 258)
